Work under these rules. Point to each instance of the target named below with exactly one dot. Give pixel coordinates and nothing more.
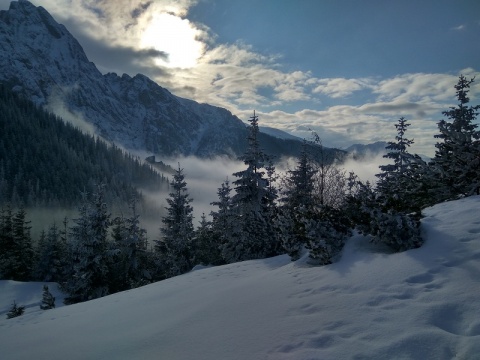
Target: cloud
(340, 87)
(459, 27)
(56, 105)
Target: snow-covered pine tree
(48, 300)
(15, 311)
(457, 158)
(129, 267)
(326, 234)
(297, 199)
(223, 218)
(207, 249)
(89, 248)
(16, 250)
(252, 204)
(175, 246)
(7, 244)
(51, 256)
(399, 184)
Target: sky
(369, 304)
(346, 69)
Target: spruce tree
(207, 249)
(15, 311)
(399, 186)
(223, 218)
(88, 247)
(51, 256)
(16, 250)
(48, 300)
(175, 246)
(297, 199)
(457, 158)
(130, 245)
(253, 204)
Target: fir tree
(457, 158)
(16, 251)
(48, 300)
(223, 218)
(207, 249)
(399, 185)
(175, 247)
(297, 205)
(15, 311)
(51, 256)
(130, 244)
(252, 204)
(89, 246)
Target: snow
(371, 304)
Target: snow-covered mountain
(42, 60)
(420, 304)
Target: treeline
(45, 161)
(309, 212)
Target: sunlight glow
(175, 36)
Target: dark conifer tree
(175, 246)
(48, 300)
(16, 250)
(223, 218)
(130, 245)
(15, 311)
(252, 204)
(457, 158)
(51, 256)
(207, 249)
(89, 248)
(399, 186)
(297, 199)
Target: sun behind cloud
(176, 36)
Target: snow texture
(371, 304)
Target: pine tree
(175, 247)
(130, 246)
(88, 247)
(16, 251)
(15, 311)
(207, 249)
(48, 300)
(252, 204)
(399, 185)
(7, 244)
(457, 158)
(223, 218)
(51, 256)
(297, 205)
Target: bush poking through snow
(15, 311)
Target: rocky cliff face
(42, 60)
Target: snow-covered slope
(42, 60)
(420, 304)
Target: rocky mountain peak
(41, 60)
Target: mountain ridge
(46, 64)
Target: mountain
(47, 162)
(43, 61)
(370, 304)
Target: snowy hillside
(420, 304)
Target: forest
(310, 211)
